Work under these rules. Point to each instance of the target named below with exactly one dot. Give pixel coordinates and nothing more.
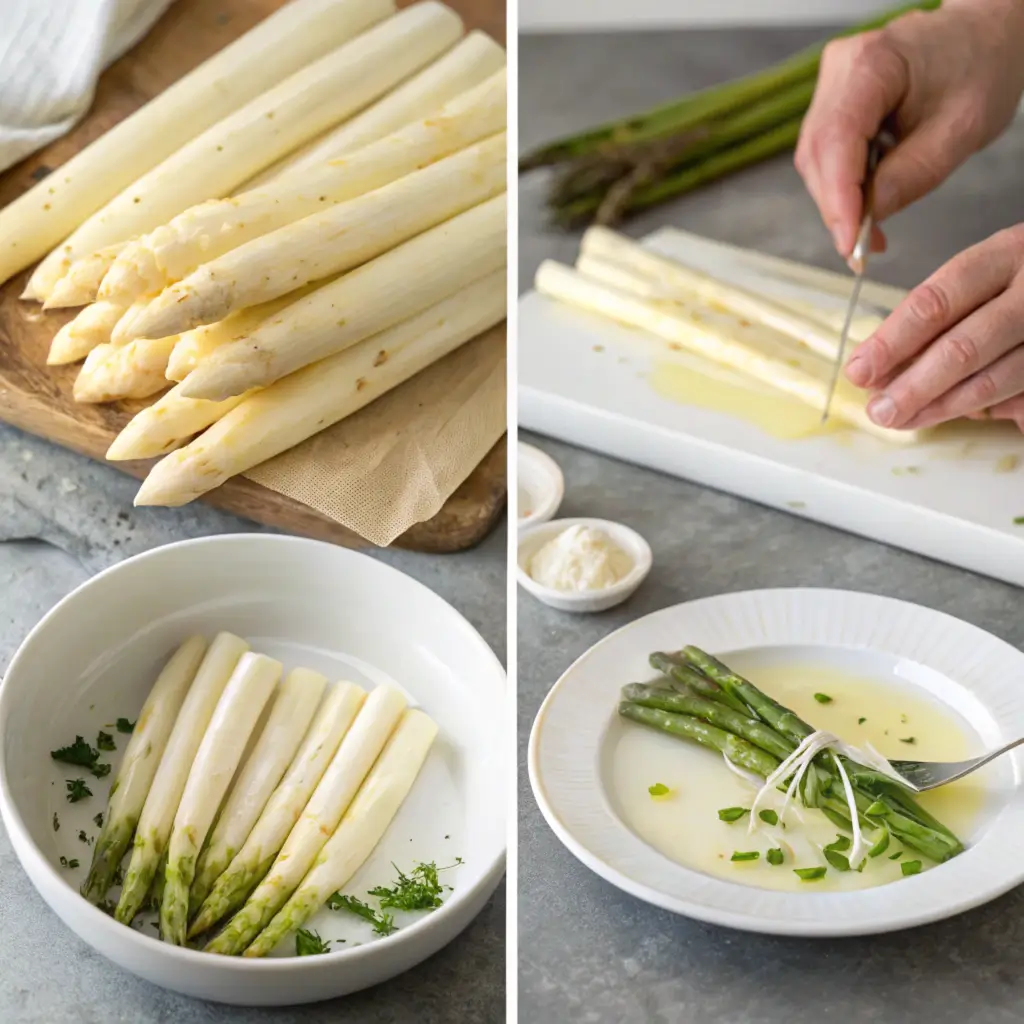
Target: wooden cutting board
(38, 399)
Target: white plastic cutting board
(584, 380)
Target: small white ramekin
(541, 486)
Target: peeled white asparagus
(216, 162)
(333, 720)
(204, 232)
(300, 32)
(82, 281)
(468, 63)
(141, 760)
(169, 782)
(137, 370)
(360, 748)
(330, 242)
(765, 355)
(687, 283)
(215, 764)
(362, 828)
(375, 296)
(78, 337)
(272, 421)
(292, 710)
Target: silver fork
(925, 775)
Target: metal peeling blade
(838, 368)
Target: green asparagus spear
(678, 671)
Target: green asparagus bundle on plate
(700, 699)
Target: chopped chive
(861, 721)
(746, 855)
(769, 817)
(810, 874)
(877, 810)
(909, 739)
(823, 698)
(732, 813)
(881, 846)
(774, 857)
(911, 867)
(658, 789)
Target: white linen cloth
(51, 54)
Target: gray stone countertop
(589, 953)
(64, 518)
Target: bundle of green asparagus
(699, 698)
(620, 168)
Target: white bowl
(541, 486)
(533, 539)
(95, 655)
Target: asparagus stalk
(216, 761)
(676, 668)
(292, 711)
(78, 337)
(141, 760)
(135, 370)
(253, 861)
(82, 281)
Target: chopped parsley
(810, 874)
(83, 838)
(309, 943)
(65, 863)
(104, 741)
(774, 857)
(1018, 520)
(383, 923)
(745, 855)
(119, 875)
(909, 739)
(79, 753)
(107, 906)
(731, 814)
(769, 817)
(881, 846)
(823, 698)
(659, 789)
(100, 770)
(896, 855)
(861, 721)
(841, 844)
(56, 822)
(77, 790)
(123, 725)
(98, 820)
(418, 890)
(911, 867)
(837, 860)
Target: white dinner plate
(978, 677)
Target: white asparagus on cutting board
(360, 748)
(333, 720)
(292, 710)
(216, 162)
(209, 230)
(763, 354)
(111, 373)
(292, 37)
(82, 281)
(78, 337)
(141, 760)
(272, 421)
(365, 822)
(161, 805)
(330, 242)
(216, 761)
(471, 61)
(691, 285)
(375, 296)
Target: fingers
(1001, 381)
(861, 81)
(952, 293)
(1011, 409)
(962, 352)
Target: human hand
(945, 82)
(955, 345)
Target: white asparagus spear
(165, 793)
(362, 828)
(388, 289)
(763, 354)
(292, 37)
(215, 764)
(471, 61)
(137, 370)
(141, 760)
(224, 156)
(272, 421)
(292, 711)
(327, 243)
(333, 720)
(78, 337)
(82, 281)
(209, 230)
(358, 751)
(687, 283)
